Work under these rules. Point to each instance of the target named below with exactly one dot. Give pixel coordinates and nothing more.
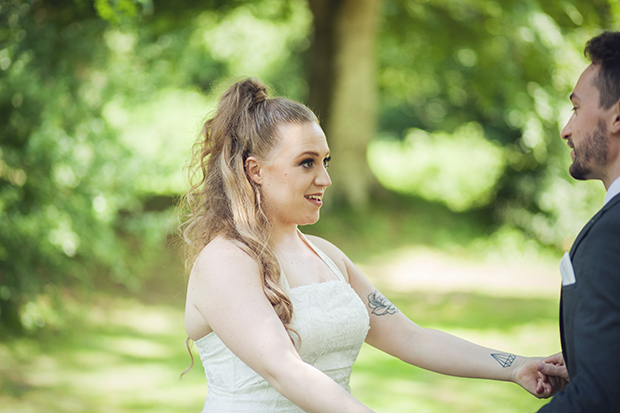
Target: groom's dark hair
(604, 51)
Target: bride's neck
(285, 240)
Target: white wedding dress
(332, 322)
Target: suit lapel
(613, 202)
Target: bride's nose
(322, 178)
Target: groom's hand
(553, 370)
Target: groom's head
(593, 131)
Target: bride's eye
(307, 163)
(326, 162)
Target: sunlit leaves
(251, 45)
(460, 170)
(159, 135)
(122, 11)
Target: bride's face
(294, 176)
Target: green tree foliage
(99, 104)
(506, 66)
(69, 204)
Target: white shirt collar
(614, 189)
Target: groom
(590, 303)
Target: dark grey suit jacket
(590, 319)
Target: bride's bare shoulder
(222, 253)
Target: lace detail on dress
(332, 322)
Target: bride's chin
(310, 221)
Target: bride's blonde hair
(222, 200)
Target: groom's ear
(614, 128)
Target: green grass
(118, 355)
(123, 356)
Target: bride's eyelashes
(309, 162)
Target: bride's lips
(316, 199)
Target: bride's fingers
(544, 386)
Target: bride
(279, 317)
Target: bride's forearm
(447, 354)
(313, 391)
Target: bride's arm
(392, 332)
(225, 289)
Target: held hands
(553, 370)
(542, 377)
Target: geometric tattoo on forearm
(380, 305)
(504, 360)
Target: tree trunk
(343, 90)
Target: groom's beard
(594, 147)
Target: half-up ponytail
(222, 200)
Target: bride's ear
(253, 169)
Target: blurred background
(450, 192)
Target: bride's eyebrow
(312, 153)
